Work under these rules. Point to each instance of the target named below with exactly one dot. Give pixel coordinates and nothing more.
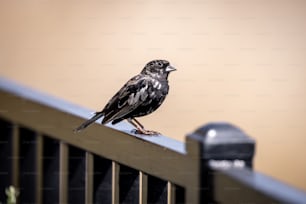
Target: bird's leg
(134, 124)
(140, 128)
(138, 123)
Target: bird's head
(158, 69)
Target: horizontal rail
(236, 185)
(59, 105)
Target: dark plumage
(140, 96)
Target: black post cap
(224, 141)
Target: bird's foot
(146, 132)
(140, 129)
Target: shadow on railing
(49, 163)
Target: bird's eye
(159, 64)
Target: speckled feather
(140, 96)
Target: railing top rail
(76, 110)
(269, 189)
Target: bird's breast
(160, 85)
(157, 85)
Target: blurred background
(240, 61)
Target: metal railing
(42, 157)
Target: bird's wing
(127, 99)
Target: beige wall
(238, 60)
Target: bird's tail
(88, 122)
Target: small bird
(140, 96)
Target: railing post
(222, 145)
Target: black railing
(48, 163)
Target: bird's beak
(170, 68)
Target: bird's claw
(146, 132)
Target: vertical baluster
(143, 188)
(39, 160)
(63, 173)
(15, 155)
(115, 182)
(171, 193)
(89, 178)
